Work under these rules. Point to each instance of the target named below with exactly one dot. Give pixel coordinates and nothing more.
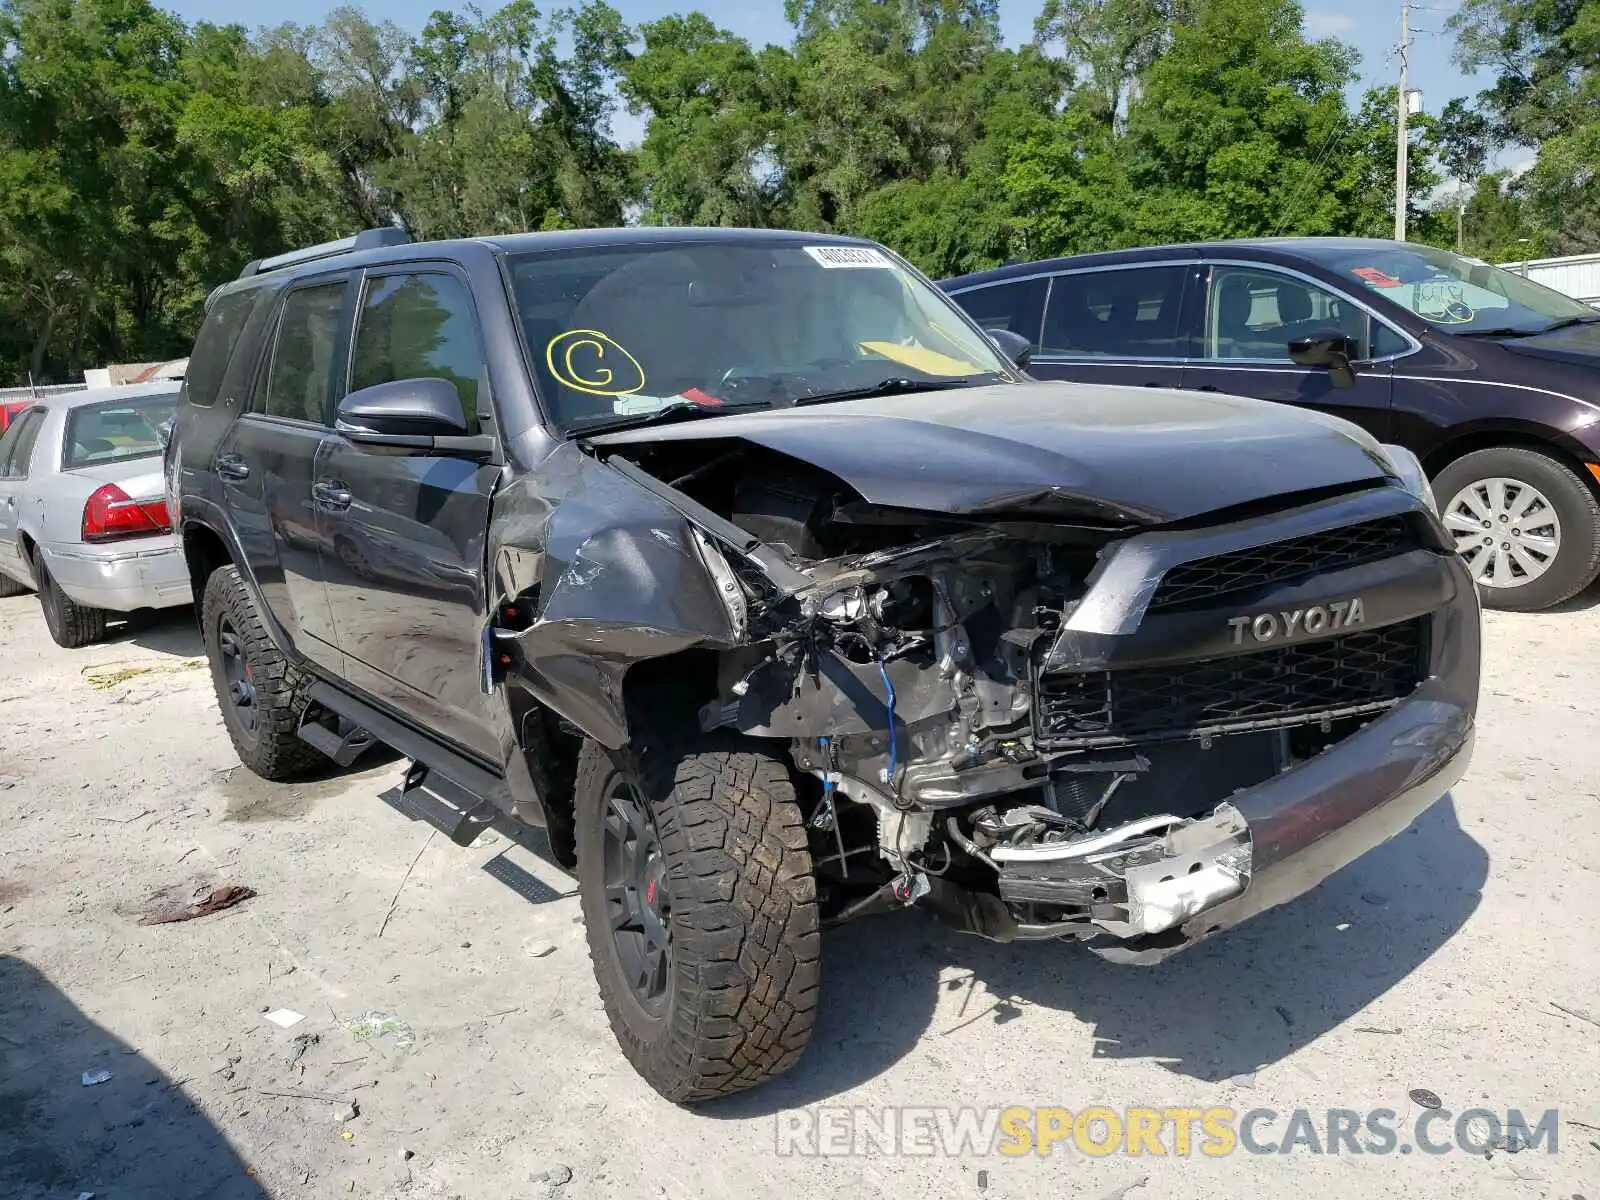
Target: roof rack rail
(367, 239)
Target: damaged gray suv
(751, 571)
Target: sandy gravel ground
(1461, 958)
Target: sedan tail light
(110, 514)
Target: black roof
(1278, 249)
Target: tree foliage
(143, 160)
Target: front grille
(1356, 672)
(1281, 562)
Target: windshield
(1455, 294)
(619, 332)
(116, 430)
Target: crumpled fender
(616, 576)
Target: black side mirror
(410, 414)
(1331, 348)
(1014, 346)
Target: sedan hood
(1125, 454)
(1576, 344)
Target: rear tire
(10, 587)
(260, 693)
(71, 624)
(1527, 498)
(723, 879)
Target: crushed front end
(1046, 728)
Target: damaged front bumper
(1275, 842)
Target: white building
(1577, 275)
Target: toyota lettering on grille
(1318, 618)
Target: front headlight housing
(1408, 470)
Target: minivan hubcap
(1506, 529)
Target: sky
(1371, 26)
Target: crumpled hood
(1125, 454)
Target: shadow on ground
(164, 630)
(1232, 1005)
(134, 1137)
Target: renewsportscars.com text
(1099, 1131)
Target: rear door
(267, 461)
(403, 533)
(16, 450)
(1122, 325)
(1253, 312)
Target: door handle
(232, 467)
(331, 495)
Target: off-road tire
(10, 587)
(1577, 562)
(273, 750)
(746, 958)
(71, 624)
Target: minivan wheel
(700, 910)
(260, 692)
(1527, 525)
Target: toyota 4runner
(756, 575)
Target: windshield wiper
(898, 386)
(1569, 322)
(1503, 332)
(677, 410)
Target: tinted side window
(208, 362)
(419, 327)
(16, 448)
(1129, 314)
(1256, 314)
(1386, 341)
(1018, 307)
(302, 360)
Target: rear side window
(16, 448)
(1017, 307)
(419, 326)
(1126, 314)
(299, 379)
(117, 430)
(219, 335)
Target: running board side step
(426, 795)
(344, 745)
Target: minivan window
(419, 326)
(1255, 314)
(202, 379)
(1454, 293)
(1017, 307)
(1125, 314)
(116, 430)
(630, 331)
(302, 361)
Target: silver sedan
(83, 511)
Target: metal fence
(12, 394)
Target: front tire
(1526, 523)
(700, 910)
(261, 693)
(71, 624)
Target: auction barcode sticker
(849, 256)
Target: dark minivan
(1493, 381)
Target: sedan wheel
(1526, 524)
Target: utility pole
(1400, 157)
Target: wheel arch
(1493, 435)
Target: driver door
(1251, 316)
(403, 533)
